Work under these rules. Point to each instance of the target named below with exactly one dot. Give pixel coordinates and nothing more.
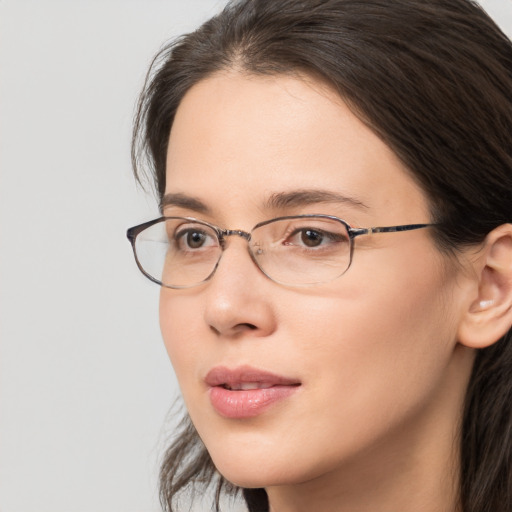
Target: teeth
(246, 386)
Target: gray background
(85, 385)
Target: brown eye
(195, 239)
(311, 238)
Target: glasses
(182, 252)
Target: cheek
(179, 321)
(379, 353)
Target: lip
(246, 392)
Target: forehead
(238, 139)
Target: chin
(256, 477)
(263, 468)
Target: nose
(239, 298)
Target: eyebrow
(280, 200)
(183, 201)
(295, 198)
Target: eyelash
(332, 237)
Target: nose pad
(236, 263)
(225, 243)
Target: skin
(374, 422)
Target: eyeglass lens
(181, 253)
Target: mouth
(246, 386)
(246, 392)
(246, 378)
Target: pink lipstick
(245, 392)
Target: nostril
(247, 326)
(243, 327)
(238, 328)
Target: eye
(193, 238)
(312, 237)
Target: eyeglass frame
(221, 233)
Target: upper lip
(236, 377)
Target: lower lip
(247, 403)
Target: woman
(335, 250)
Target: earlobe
(489, 316)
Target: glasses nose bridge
(236, 232)
(223, 234)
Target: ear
(489, 315)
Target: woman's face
(360, 367)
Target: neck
(415, 467)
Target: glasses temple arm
(386, 229)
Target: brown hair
(433, 78)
